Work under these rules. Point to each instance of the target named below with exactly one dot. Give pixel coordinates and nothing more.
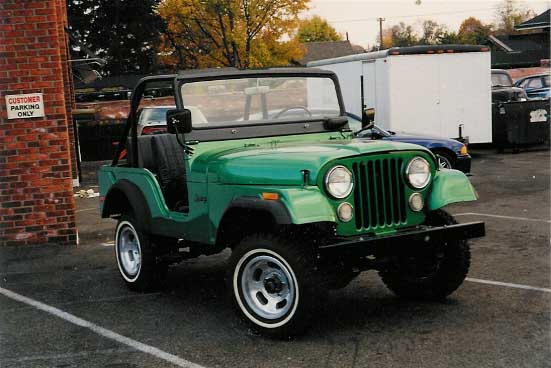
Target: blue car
(536, 86)
(451, 154)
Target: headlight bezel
(327, 177)
(407, 173)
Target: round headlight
(345, 211)
(418, 172)
(338, 182)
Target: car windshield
(501, 80)
(267, 99)
(154, 115)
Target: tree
(511, 13)
(316, 29)
(237, 33)
(123, 32)
(473, 31)
(449, 37)
(432, 32)
(403, 35)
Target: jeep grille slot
(379, 193)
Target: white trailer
(421, 89)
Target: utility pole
(381, 31)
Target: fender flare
(276, 208)
(126, 190)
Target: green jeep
(263, 162)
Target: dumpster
(518, 125)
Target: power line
(409, 16)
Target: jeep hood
(282, 164)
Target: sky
(359, 17)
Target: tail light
(154, 130)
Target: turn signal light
(270, 196)
(463, 150)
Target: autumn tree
(403, 35)
(510, 13)
(449, 38)
(432, 32)
(473, 31)
(237, 33)
(123, 32)
(316, 29)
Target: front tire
(136, 259)
(430, 275)
(445, 160)
(273, 284)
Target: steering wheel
(292, 108)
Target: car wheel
(430, 272)
(445, 161)
(135, 256)
(273, 284)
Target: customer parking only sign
(25, 106)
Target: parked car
(152, 119)
(535, 86)
(451, 154)
(503, 89)
(303, 205)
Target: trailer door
(414, 94)
(465, 96)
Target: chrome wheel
(129, 255)
(443, 162)
(268, 286)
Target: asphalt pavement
(67, 306)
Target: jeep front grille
(379, 193)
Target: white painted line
(77, 354)
(87, 209)
(500, 216)
(158, 353)
(516, 286)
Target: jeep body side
(278, 177)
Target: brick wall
(36, 196)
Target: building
(523, 50)
(37, 159)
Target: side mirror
(178, 121)
(368, 118)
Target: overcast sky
(359, 17)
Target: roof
(327, 50)
(512, 43)
(236, 73)
(397, 51)
(125, 82)
(538, 22)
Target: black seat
(162, 155)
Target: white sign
(25, 106)
(538, 116)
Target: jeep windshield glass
(242, 101)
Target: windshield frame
(257, 128)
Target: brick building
(36, 155)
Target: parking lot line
(501, 216)
(87, 209)
(158, 353)
(78, 354)
(506, 284)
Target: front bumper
(463, 163)
(399, 242)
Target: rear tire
(136, 258)
(273, 284)
(430, 275)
